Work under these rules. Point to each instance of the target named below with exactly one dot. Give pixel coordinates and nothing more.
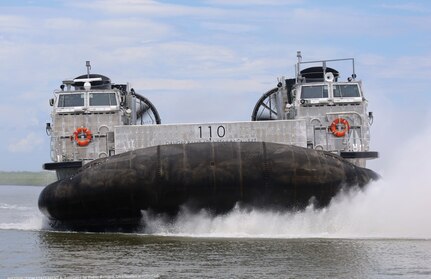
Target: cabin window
(314, 91)
(346, 90)
(103, 99)
(71, 100)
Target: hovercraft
(308, 139)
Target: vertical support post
(280, 99)
(87, 64)
(133, 106)
(298, 65)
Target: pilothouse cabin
(85, 111)
(334, 110)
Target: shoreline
(27, 178)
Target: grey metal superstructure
(93, 118)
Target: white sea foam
(13, 206)
(31, 221)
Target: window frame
(86, 106)
(331, 98)
(67, 95)
(347, 99)
(90, 94)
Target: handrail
(299, 62)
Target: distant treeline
(41, 178)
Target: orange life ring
(342, 132)
(83, 136)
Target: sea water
(344, 240)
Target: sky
(209, 61)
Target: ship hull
(111, 192)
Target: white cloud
(220, 86)
(410, 7)
(148, 7)
(13, 23)
(203, 52)
(64, 24)
(177, 58)
(339, 25)
(130, 27)
(229, 27)
(26, 144)
(253, 2)
(409, 68)
(165, 84)
(18, 116)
